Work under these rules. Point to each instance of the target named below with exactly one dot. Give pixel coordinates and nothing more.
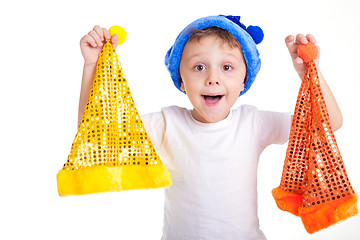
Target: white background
(41, 69)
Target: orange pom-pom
(308, 52)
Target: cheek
(191, 87)
(190, 81)
(238, 79)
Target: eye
(199, 67)
(227, 68)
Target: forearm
(331, 104)
(87, 81)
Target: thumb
(114, 41)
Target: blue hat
(247, 37)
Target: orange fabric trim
(286, 201)
(323, 216)
(314, 184)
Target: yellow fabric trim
(111, 150)
(111, 179)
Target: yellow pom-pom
(120, 32)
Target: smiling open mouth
(212, 99)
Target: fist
(91, 44)
(293, 44)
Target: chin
(211, 115)
(215, 118)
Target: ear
(243, 85)
(242, 88)
(182, 86)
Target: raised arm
(91, 45)
(293, 44)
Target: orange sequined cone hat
(314, 183)
(111, 150)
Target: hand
(299, 64)
(91, 44)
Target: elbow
(338, 124)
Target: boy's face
(213, 76)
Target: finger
(114, 41)
(96, 37)
(292, 47)
(301, 39)
(289, 41)
(106, 33)
(298, 61)
(88, 40)
(99, 31)
(311, 38)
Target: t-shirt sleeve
(154, 124)
(272, 127)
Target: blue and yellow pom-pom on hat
(248, 38)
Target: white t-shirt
(213, 167)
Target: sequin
(309, 153)
(314, 181)
(111, 134)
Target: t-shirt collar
(215, 125)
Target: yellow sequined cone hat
(314, 183)
(111, 150)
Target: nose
(213, 78)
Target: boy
(211, 151)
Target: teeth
(213, 96)
(212, 99)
